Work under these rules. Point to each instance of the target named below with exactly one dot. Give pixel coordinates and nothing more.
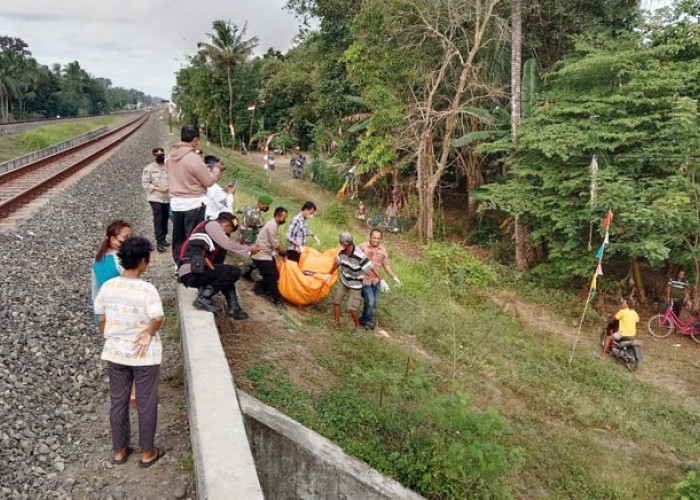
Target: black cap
(158, 151)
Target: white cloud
(137, 43)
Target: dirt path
(667, 362)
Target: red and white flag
(251, 106)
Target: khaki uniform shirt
(153, 176)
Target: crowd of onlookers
(184, 188)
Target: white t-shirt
(186, 204)
(218, 200)
(129, 305)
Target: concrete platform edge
(224, 464)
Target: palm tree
(226, 48)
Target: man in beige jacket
(189, 178)
(154, 180)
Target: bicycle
(380, 222)
(662, 325)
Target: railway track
(19, 186)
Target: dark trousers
(223, 277)
(293, 255)
(121, 378)
(220, 256)
(183, 224)
(677, 305)
(160, 220)
(370, 297)
(270, 276)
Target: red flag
(608, 219)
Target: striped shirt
(129, 305)
(298, 231)
(353, 267)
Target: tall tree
(228, 47)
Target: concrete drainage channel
(244, 449)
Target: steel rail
(13, 203)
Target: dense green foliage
(634, 105)
(378, 79)
(29, 89)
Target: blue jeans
(370, 296)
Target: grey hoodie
(188, 176)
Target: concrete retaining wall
(224, 464)
(43, 153)
(295, 462)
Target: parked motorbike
(628, 350)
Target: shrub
(324, 174)
(460, 266)
(336, 214)
(688, 488)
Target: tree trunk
(230, 97)
(521, 231)
(516, 68)
(636, 272)
(521, 237)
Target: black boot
(247, 272)
(234, 309)
(203, 300)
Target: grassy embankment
(15, 145)
(592, 430)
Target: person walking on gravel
(198, 270)
(268, 241)
(189, 179)
(299, 231)
(353, 265)
(154, 180)
(130, 313)
(373, 284)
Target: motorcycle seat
(629, 342)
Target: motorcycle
(628, 350)
(297, 167)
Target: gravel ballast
(53, 386)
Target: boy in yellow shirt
(628, 319)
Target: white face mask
(311, 216)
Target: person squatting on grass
(130, 313)
(299, 231)
(373, 284)
(198, 270)
(353, 265)
(268, 241)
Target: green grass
(13, 146)
(591, 430)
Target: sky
(141, 43)
(137, 43)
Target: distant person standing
(189, 179)
(391, 214)
(154, 180)
(299, 231)
(676, 291)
